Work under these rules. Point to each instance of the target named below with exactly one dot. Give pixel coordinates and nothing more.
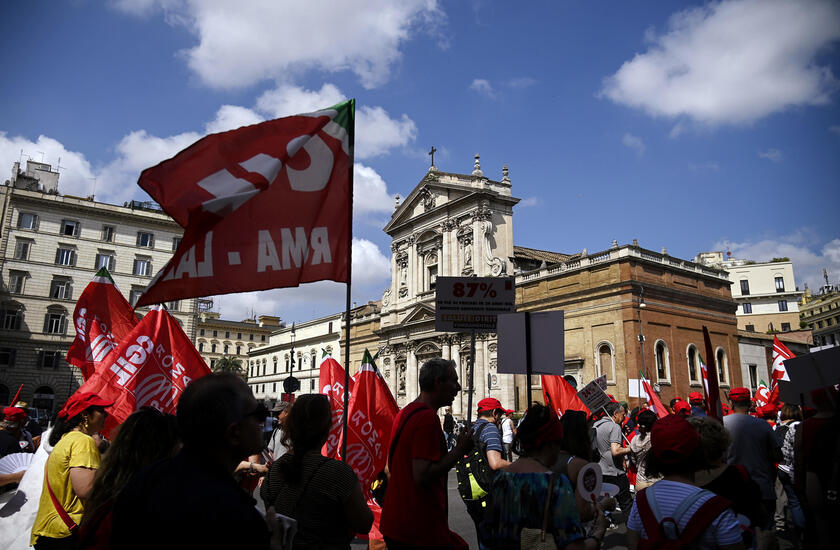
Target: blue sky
(687, 125)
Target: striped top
(669, 494)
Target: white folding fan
(15, 462)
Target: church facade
(462, 225)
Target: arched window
(275, 364)
(605, 360)
(693, 365)
(663, 361)
(313, 357)
(722, 366)
(287, 362)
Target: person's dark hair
(307, 428)
(535, 418)
(791, 412)
(66, 425)
(656, 468)
(432, 371)
(645, 422)
(742, 404)
(576, 434)
(144, 438)
(714, 439)
(674, 402)
(208, 406)
(612, 407)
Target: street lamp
(642, 305)
(291, 384)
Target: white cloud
(76, 173)
(773, 155)
(242, 43)
(808, 261)
(633, 142)
(483, 87)
(136, 152)
(376, 132)
(230, 117)
(530, 201)
(371, 274)
(370, 193)
(732, 62)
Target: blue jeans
(795, 507)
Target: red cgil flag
(263, 206)
(713, 408)
(102, 318)
(560, 396)
(372, 410)
(151, 367)
(331, 382)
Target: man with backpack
(475, 471)
(608, 442)
(673, 512)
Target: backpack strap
(703, 517)
(399, 432)
(649, 519)
(689, 501)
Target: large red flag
(372, 410)
(560, 396)
(151, 367)
(102, 318)
(654, 403)
(713, 408)
(263, 206)
(331, 382)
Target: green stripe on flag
(103, 276)
(345, 117)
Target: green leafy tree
(229, 363)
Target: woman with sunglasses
(70, 471)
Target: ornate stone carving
(431, 258)
(401, 379)
(387, 361)
(493, 363)
(395, 246)
(403, 291)
(492, 348)
(428, 199)
(447, 225)
(411, 239)
(386, 298)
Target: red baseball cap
(80, 401)
(695, 396)
(769, 409)
(14, 414)
(681, 407)
(673, 439)
(739, 394)
(489, 404)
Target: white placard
(547, 347)
(635, 388)
(593, 396)
(463, 304)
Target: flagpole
(349, 286)
(471, 377)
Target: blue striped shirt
(489, 435)
(669, 494)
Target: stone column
(445, 251)
(412, 388)
(457, 408)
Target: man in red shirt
(415, 513)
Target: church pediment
(427, 197)
(419, 314)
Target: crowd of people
(187, 480)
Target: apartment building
(51, 245)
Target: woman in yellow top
(70, 471)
